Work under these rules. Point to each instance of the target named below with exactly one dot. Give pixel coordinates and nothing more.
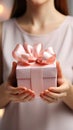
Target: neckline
(42, 35)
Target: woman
(41, 22)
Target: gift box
(36, 69)
(37, 78)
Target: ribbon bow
(27, 54)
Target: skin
(41, 17)
(63, 92)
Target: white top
(38, 115)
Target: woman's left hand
(53, 94)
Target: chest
(61, 41)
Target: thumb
(13, 71)
(60, 77)
(59, 70)
(12, 76)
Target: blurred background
(6, 7)
(5, 11)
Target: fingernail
(42, 92)
(33, 94)
(41, 95)
(51, 89)
(46, 91)
(25, 88)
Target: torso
(37, 114)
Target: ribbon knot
(26, 54)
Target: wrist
(68, 100)
(69, 91)
(8, 96)
(4, 95)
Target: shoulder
(71, 18)
(8, 23)
(8, 28)
(69, 30)
(70, 21)
(68, 26)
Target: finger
(60, 89)
(13, 71)
(29, 98)
(18, 90)
(44, 94)
(47, 99)
(25, 98)
(60, 81)
(31, 91)
(59, 70)
(14, 65)
(19, 97)
(55, 95)
(12, 76)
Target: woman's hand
(54, 94)
(15, 94)
(19, 94)
(9, 93)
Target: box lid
(24, 72)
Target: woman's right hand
(17, 94)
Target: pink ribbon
(27, 54)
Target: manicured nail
(51, 89)
(46, 91)
(42, 94)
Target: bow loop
(27, 54)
